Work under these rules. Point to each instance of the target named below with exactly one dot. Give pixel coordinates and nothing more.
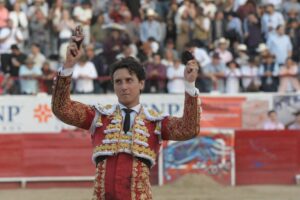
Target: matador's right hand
(74, 51)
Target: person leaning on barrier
(126, 136)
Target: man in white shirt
(84, 73)
(270, 20)
(273, 123)
(200, 54)
(280, 45)
(37, 55)
(8, 36)
(83, 15)
(175, 75)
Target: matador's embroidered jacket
(123, 174)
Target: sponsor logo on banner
(8, 116)
(42, 113)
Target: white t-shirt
(250, 73)
(82, 14)
(232, 80)
(12, 34)
(39, 60)
(84, 85)
(176, 85)
(269, 125)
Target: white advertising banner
(32, 114)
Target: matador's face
(127, 87)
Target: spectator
(170, 22)
(132, 26)
(101, 68)
(201, 32)
(39, 31)
(209, 8)
(293, 32)
(37, 56)
(252, 32)
(83, 16)
(134, 7)
(222, 49)
(28, 74)
(17, 59)
(218, 27)
(290, 5)
(84, 73)
(245, 10)
(47, 78)
(150, 27)
(175, 75)
(269, 71)
(242, 56)
(169, 59)
(288, 77)
(98, 33)
(250, 76)
(263, 51)
(200, 54)
(19, 19)
(38, 5)
(126, 52)
(55, 16)
(232, 78)
(273, 123)
(4, 14)
(234, 29)
(183, 32)
(145, 52)
(114, 43)
(65, 27)
(8, 36)
(214, 74)
(270, 20)
(156, 76)
(171, 46)
(280, 45)
(296, 124)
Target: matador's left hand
(191, 71)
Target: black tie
(126, 125)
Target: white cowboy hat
(242, 47)
(222, 41)
(261, 47)
(151, 12)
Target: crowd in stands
(240, 45)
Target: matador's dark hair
(132, 65)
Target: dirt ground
(190, 187)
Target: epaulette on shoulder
(106, 109)
(153, 115)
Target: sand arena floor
(190, 187)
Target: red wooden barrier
(31, 155)
(267, 157)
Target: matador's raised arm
(70, 112)
(187, 126)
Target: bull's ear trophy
(78, 36)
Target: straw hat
(242, 47)
(151, 12)
(222, 41)
(261, 47)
